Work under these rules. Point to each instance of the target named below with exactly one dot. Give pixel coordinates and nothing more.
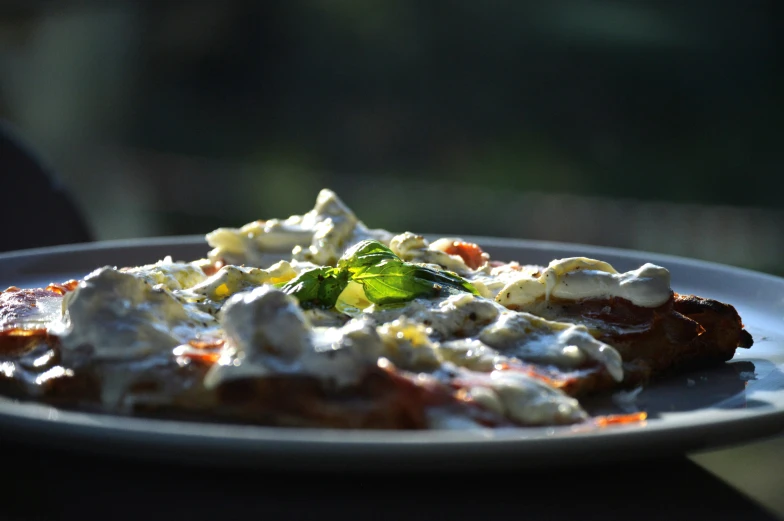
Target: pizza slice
(655, 330)
(319, 321)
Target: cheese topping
(531, 401)
(408, 346)
(581, 278)
(25, 311)
(520, 397)
(119, 316)
(229, 280)
(268, 333)
(150, 313)
(540, 341)
(172, 275)
(319, 236)
(415, 248)
(470, 353)
(456, 315)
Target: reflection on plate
(723, 387)
(740, 400)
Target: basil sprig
(385, 278)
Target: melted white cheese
(23, 311)
(470, 353)
(319, 236)
(456, 315)
(530, 401)
(408, 346)
(269, 334)
(511, 333)
(119, 317)
(518, 396)
(266, 321)
(415, 248)
(487, 397)
(540, 341)
(490, 280)
(172, 275)
(342, 355)
(229, 280)
(580, 278)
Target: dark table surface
(47, 484)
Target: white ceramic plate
(742, 400)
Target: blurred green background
(652, 125)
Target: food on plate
(317, 320)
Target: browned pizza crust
(685, 333)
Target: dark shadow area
(37, 209)
(56, 485)
(723, 385)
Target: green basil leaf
(385, 278)
(449, 280)
(365, 254)
(397, 281)
(319, 287)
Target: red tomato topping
(471, 253)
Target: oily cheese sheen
(317, 320)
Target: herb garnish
(385, 278)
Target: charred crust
(688, 304)
(745, 341)
(719, 318)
